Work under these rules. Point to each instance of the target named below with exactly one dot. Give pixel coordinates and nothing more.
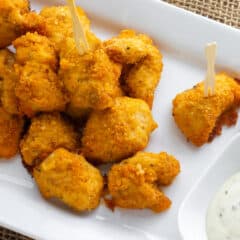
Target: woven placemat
(227, 12)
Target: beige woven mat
(227, 11)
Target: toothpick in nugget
(209, 83)
(78, 29)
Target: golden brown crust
(59, 26)
(133, 183)
(145, 60)
(197, 115)
(9, 78)
(92, 80)
(47, 132)
(16, 19)
(228, 118)
(10, 10)
(76, 112)
(35, 48)
(38, 89)
(118, 132)
(10, 131)
(71, 179)
(59, 22)
(1, 88)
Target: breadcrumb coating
(134, 182)
(1, 87)
(196, 115)
(71, 179)
(59, 25)
(92, 80)
(118, 132)
(39, 90)
(11, 128)
(33, 47)
(16, 19)
(9, 78)
(76, 112)
(47, 132)
(145, 60)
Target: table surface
(225, 11)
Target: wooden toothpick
(209, 83)
(78, 30)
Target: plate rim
(206, 171)
(182, 11)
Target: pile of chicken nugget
(68, 113)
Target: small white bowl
(193, 210)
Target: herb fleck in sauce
(223, 217)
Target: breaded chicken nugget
(59, 25)
(47, 133)
(10, 131)
(33, 47)
(198, 116)
(71, 179)
(77, 112)
(16, 19)
(9, 78)
(117, 132)
(39, 90)
(134, 182)
(144, 60)
(1, 87)
(92, 80)
(6, 62)
(69, 53)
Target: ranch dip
(223, 216)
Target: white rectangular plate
(193, 211)
(181, 36)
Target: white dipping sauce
(223, 216)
